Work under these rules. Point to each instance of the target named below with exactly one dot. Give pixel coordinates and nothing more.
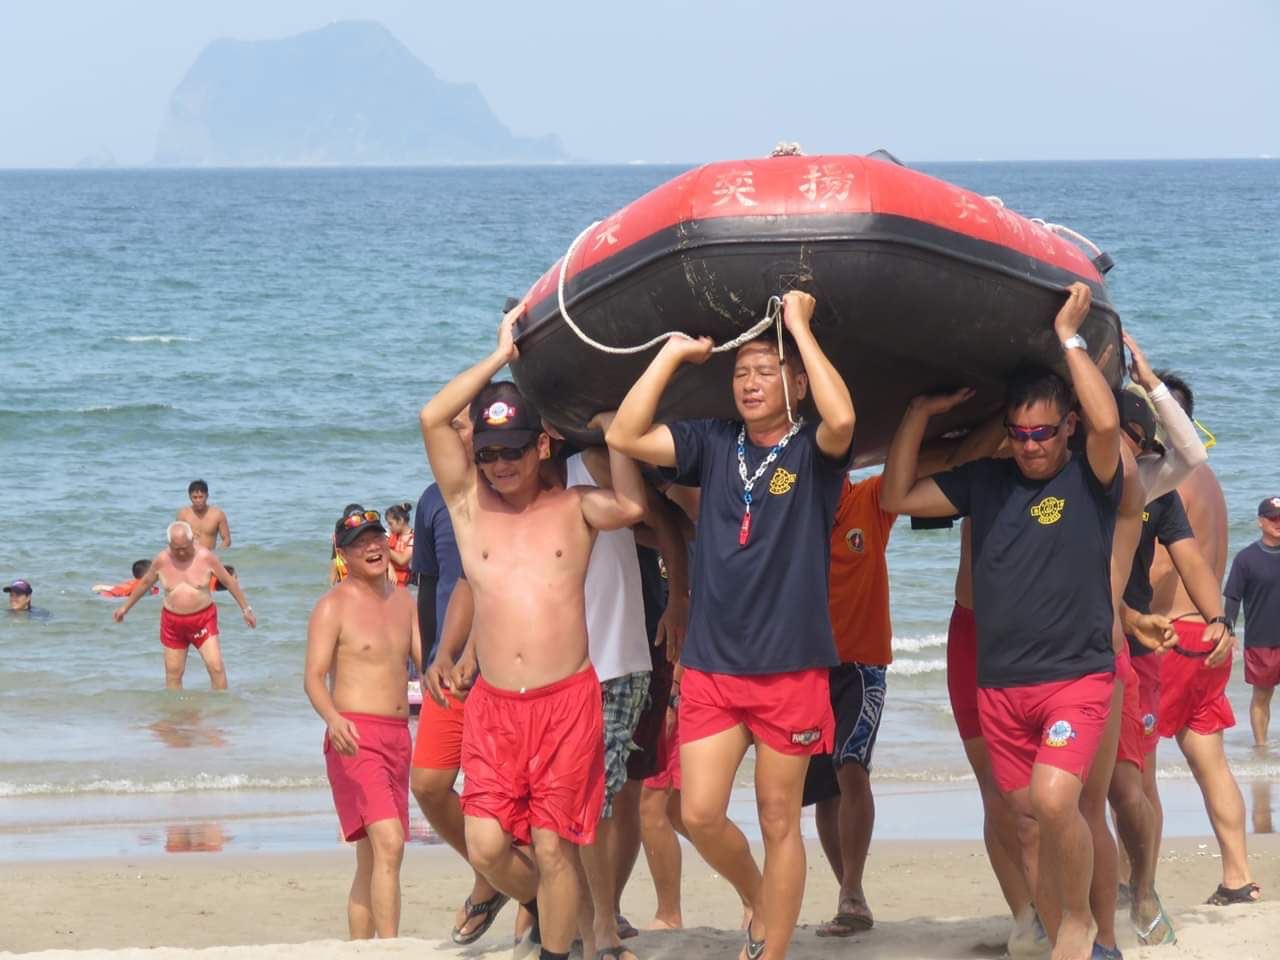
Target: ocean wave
(916, 644)
(199, 783)
(125, 408)
(156, 338)
(913, 668)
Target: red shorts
(1262, 666)
(668, 778)
(1057, 724)
(788, 712)
(536, 759)
(1192, 695)
(374, 784)
(1130, 749)
(181, 630)
(439, 742)
(962, 671)
(1147, 667)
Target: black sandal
(1225, 897)
(488, 909)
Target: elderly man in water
(190, 617)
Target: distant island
(349, 93)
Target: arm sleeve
(1233, 592)
(1183, 452)
(690, 439)
(957, 485)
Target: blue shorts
(857, 701)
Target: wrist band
(1225, 621)
(1160, 392)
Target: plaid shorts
(625, 698)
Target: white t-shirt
(615, 599)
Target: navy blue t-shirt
(1164, 519)
(1041, 569)
(1255, 581)
(761, 608)
(435, 553)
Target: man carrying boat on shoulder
(759, 644)
(1041, 545)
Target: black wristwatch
(1225, 621)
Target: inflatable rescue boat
(920, 286)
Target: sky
(662, 80)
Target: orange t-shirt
(859, 583)
(124, 589)
(399, 541)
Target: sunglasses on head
(494, 454)
(353, 520)
(1038, 434)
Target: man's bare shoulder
(186, 513)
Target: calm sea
(275, 332)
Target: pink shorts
(1147, 668)
(536, 759)
(1130, 749)
(1193, 696)
(668, 778)
(373, 785)
(181, 630)
(788, 712)
(1262, 666)
(1058, 724)
(962, 671)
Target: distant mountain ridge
(348, 93)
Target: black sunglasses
(494, 454)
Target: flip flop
(1105, 953)
(755, 948)
(1225, 897)
(1144, 935)
(488, 909)
(625, 928)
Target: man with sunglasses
(1042, 526)
(1255, 582)
(533, 741)
(361, 636)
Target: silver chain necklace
(748, 483)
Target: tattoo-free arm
(901, 490)
(633, 431)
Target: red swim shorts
(373, 785)
(1192, 695)
(788, 712)
(439, 742)
(1057, 724)
(1130, 749)
(181, 630)
(536, 759)
(668, 778)
(1147, 667)
(1262, 666)
(962, 671)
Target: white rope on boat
(772, 315)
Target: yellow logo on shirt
(781, 482)
(1049, 510)
(1146, 515)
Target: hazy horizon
(931, 81)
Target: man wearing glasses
(360, 638)
(1042, 526)
(533, 740)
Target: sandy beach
(931, 899)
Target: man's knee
(486, 848)
(386, 840)
(779, 815)
(1055, 801)
(431, 788)
(553, 853)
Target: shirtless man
(532, 749)
(190, 617)
(361, 635)
(1193, 704)
(208, 521)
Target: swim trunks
(1192, 695)
(624, 700)
(962, 671)
(1148, 671)
(668, 778)
(439, 742)
(181, 630)
(1130, 748)
(1058, 724)
(788, 712)
(373, 785)
(1262, 666)
(536, 759)
(857, 702)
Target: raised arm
(1183, 449)
(621, 502)
(322, 648)
(1202, 588)
(633, 432)
(902, 490)
(446, 452)
(144, 585)
(830, 392)
(1097, 402)
(233, 588)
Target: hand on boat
(932, 404)
(1069, 319)
(506, 332)
(683, 349)
(797, 311)
(1139, 370)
